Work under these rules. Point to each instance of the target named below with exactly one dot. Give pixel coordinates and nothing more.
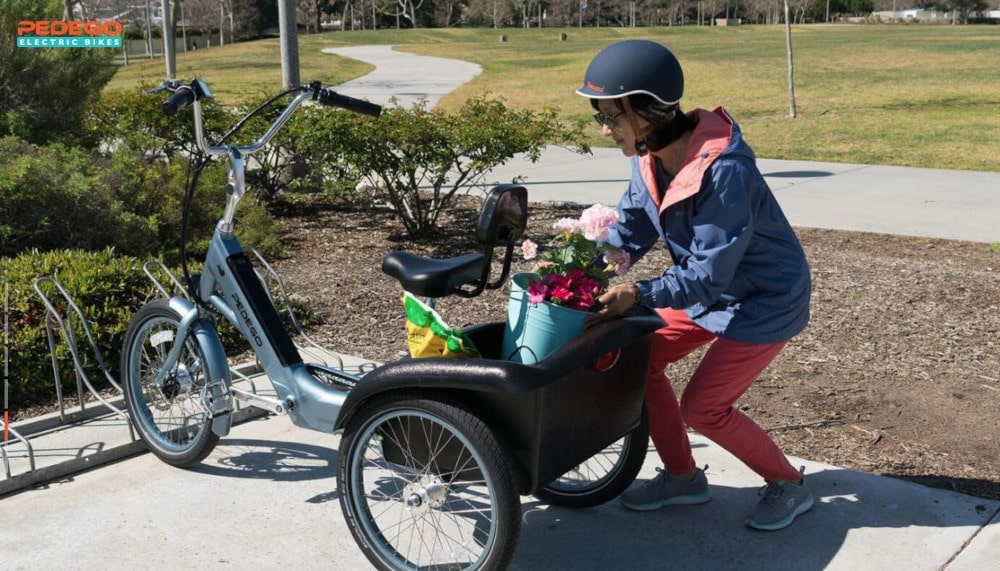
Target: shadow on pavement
(882, 524)
(262, 459)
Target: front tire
(424, 484)
(603, 476)
(171, 418)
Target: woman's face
(619, 130)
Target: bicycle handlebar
(180, 99)
(334, 99)
(183, 95)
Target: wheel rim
(172, 415)
(595, 472)
(435, 508)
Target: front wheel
(425, 484)
(169, 417)
(603, 476)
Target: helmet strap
(640, 141)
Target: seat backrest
(503, 217)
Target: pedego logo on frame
(71, 34)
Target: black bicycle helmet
(634, 66)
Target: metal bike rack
(49, 454)
(151, 267)
(3, 449)
(66, 328)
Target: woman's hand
(616, 301)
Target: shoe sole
(677, 501)
(782, 524)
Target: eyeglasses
(607, 120)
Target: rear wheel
(424, 484)
(169, 417)
(603, 476)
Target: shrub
(132, 122)
(418, 159)
(54, 197)
(150, 157)
(108, 289)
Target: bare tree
(791, 65)
(404, 4)
(310, 12)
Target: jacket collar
(710, 138)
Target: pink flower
(570, 276)
(568, 225)
(582, 301)
(529, 249)
(560, 295)
(597, 220)
(537, 292)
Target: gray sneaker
(781, 503)
(667, 490)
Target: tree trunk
(791, 65)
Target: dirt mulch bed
(898, 373)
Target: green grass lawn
(914, 95)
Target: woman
(739, 279)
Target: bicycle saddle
(501, 223)
(433, 277)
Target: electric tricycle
(434, 453)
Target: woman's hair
(667, 122)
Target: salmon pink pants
(725, 373)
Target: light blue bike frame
(225, 287)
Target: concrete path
(404, 77)
(934, 203)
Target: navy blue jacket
(739, 270)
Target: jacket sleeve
(722, 223)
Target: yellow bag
(427, 335)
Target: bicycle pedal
(216, 398)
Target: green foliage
(133, 122)
(44, 93)
(107, 288)
(418, 159)
(157, 151)
(59, 197)
(818, 8)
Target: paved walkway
(266, 498)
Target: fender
(214, 355)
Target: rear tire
(170, 419)
(603, 476)
(424, 484)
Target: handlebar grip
(180, 99)
(334, 99)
